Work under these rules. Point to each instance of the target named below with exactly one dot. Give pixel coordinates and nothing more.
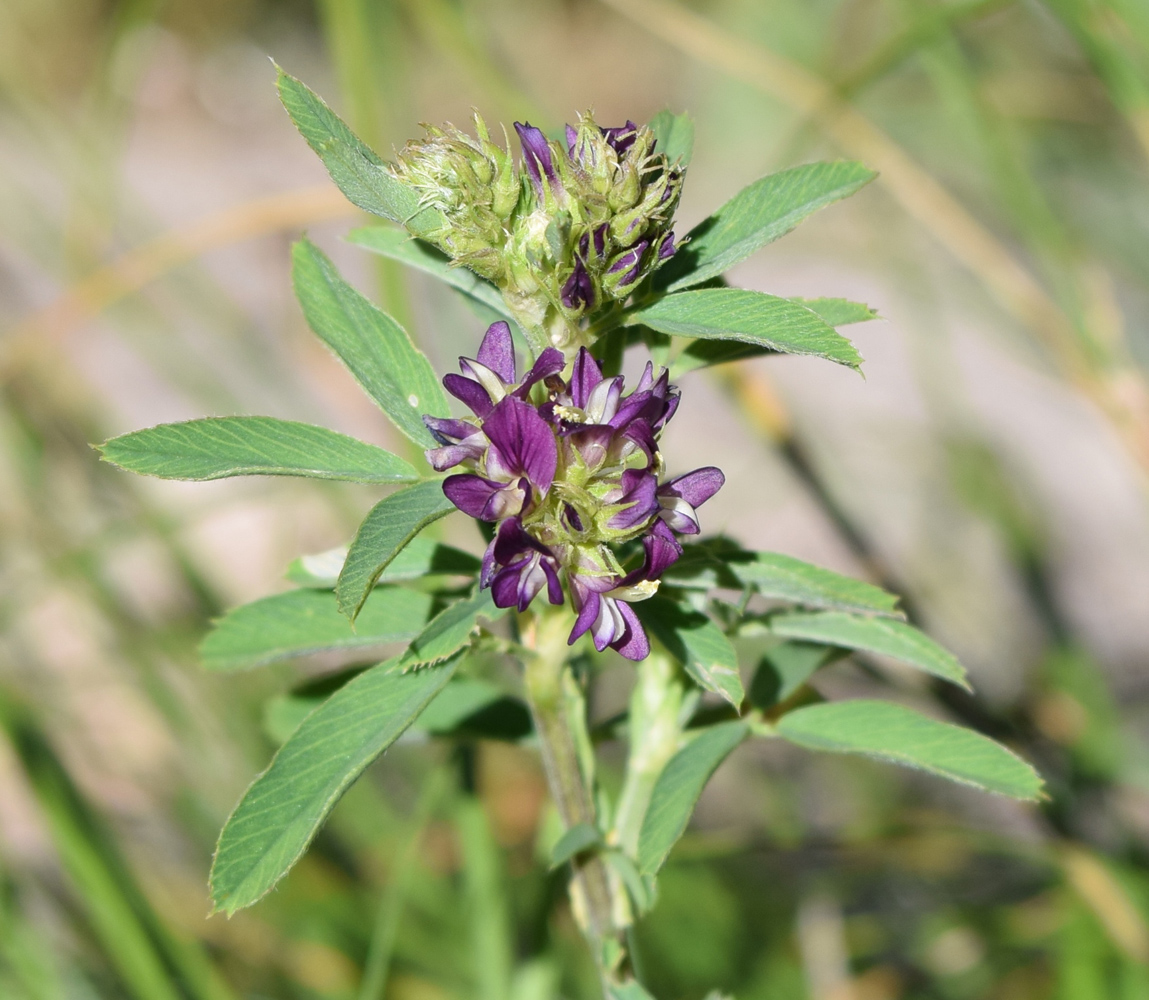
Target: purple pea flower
(603, 601)
(517, 566)
(491, 376)
(520, 464)
(679, 498)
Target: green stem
(557, 707)
(655, 732)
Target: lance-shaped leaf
(839, 312)
(757, 215)
(697, 643)
(719, 562)
(422, 557)
(902, 736)
(219, 447)
(397, 245)
(886, 636)
(750, 318)
(476, 709)
(674, 135)
(303, 622)
(389, 526)
(370, 343)
(450, 630)
(580, 837)
(284, 808)
(704, 353)
(677, 790)
(784, 668)
(356, 169)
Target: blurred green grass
(1014, 140)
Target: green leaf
(283, 809)
(422, 557)
(839, 312)
(629, 991)
(302, 622)
(757, 215)
(901, 736)
(783, 669)
(356, 169)
(450, 630)
(370, 343)
(389, 526)
(397, 245)
(477, 709)
(749, 317)
(284, 713)
(677, 790)
(697, 643)
(219, 447)
(675, 136)
(580, 837)
(886, 636)
(718, 562)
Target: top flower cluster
(578, 228)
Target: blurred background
(991, 466)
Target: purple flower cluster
(568, 467)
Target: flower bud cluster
(568, 467)
(578, 227)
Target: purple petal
(589, 603)
(497, 351)
(450, 455)
(572, 138)
(524, 442)
(666, 248)
(695, 487)
(471, 494)
(633, 643)
(662, 551)
(550, 362)
(621, 137)
(631, 262)
(578, 290)
(639, 490)
(536, 155)
(592, 443)
(647, 379)
(470, 392)
(449, 430)
(585, 375)
(554, 587)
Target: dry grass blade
(919, 194)
(143, 264)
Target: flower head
(567, 464)
(578, 226)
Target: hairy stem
(559, 714)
